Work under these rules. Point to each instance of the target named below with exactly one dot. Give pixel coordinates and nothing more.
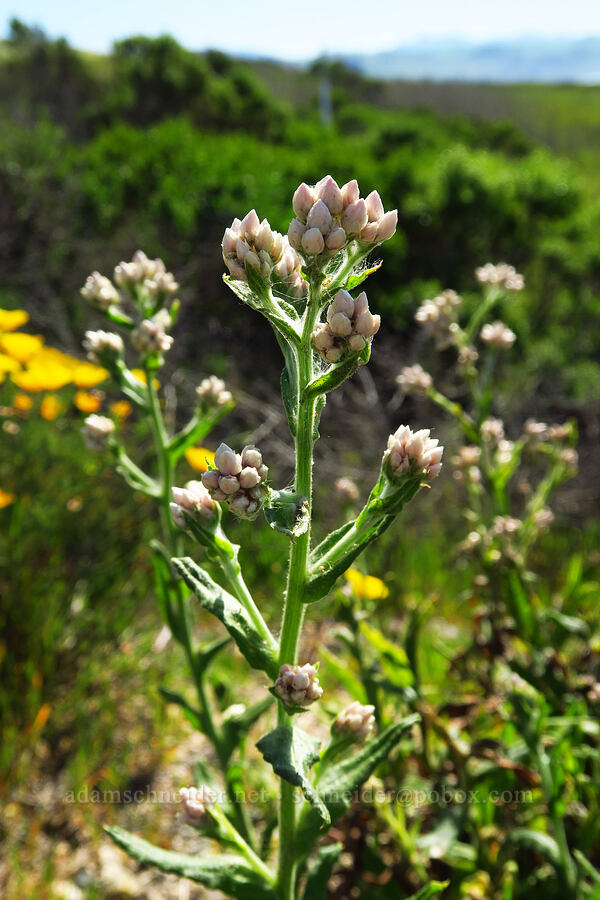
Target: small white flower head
(543, 518)
(504, 451)
(356, 721)
(559, 432)
(102, 345)
(570, 458)
(536, 432)
(437, 317)
(349, 326)
(497, 334)
(250, 242)
(492, 430)
(212, 392)
(501, 275)
(96, 431)
(298, 685)
(346, 490)
(100, 291)
(505, 526)
(329, 217)
(162, 285)
(238, 480)
(129, 275)
(467, 456)
(195, 803)
(416, 451)
(150, 336)
(193, 499)
(414, 380)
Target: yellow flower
(50, 356)
(367, 586)
(86, 402)
(10, 319)
(22, 402)
(21, 346)
(8, 364)
(50, 407)
(141, 376)
(121, 409)
(199, 457)
(87, 375)
(42, 378)
(6, 499)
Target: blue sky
(303, 29)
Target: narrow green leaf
(230, 874)
(319, 872)
(230, 612)
(204, 655)
(536, 842)
(292, 752)
(337, 783)
(336, 375)
(430, 890)
(194, 716)
(330, 541)
(358, 277)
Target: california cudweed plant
(305, 284)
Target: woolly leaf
(292, 752)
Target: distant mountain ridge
(542, 60)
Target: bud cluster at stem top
(501, 275)
(195, 803)
(350, 324)
(97, 430)
(329, 217)
(250, 242)
(298, 685)
(413, 450)
(193, 499)
(238, 479)
(356, 721)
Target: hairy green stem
(293, 613)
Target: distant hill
(520, 60)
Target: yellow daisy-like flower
(22, 402)
(141, 376)
(50, 356)
(199, 458)
(42, 378)
(86, 402)
(87, 375)
(6, 499)
(11, 319)
(50, 407)
(121, 409)
(368, 586)
(21, 346)
(8, 364)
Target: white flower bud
(386, 227)
(319, 217)
(498, 335)
(467, 456)
(492, 430)
(194, 498)
(356, 721)
(212, 392)
(210, 479)
(367, 324)
(298, 685)
(331, 195)
(265, 239)
(343, 303)
(543, 518)
(150, 335)
(250, 226)
(230, 239)
(369, 233)
(322, 338)
(336, 239)
(100, 291)
(349, 325)
(312, 242)
(350, 192)
(227, 461)
(501, 275)
(355, 217)
(340, 325)
(195, 804)
(229, 484)
(374, 207)
(238, 479)
(408, 450)
(361, 304)
(102, 344)
(357, 343)
(303, 201)
(414, 380)
(249, 477)
(347, 490)
(251, 456)
(503, 526)
(296, 233)
(96, 431)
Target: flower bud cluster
(437, 317)
(500, 275)
(102, 345)
(238, 479)
(356, 721)
(350, 324)
(346, 490)
(148, 272)
(194, 499)
(414, 450)
(212, 392)
(466, 464)
(414, 380)
(253, 243)
(504, 451)
(498, 335)
(96, 431)
(504, 526)
(328, 217)
(492, 430)
(100, 291)
(195, 803)
(150, 336)
(540, 432)
(298, 685)
(543, 518)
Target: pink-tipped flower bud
(312, 242)
(408, 450)
(336, 239)
(303, 201)
(374, 206)
(369, 233)
(356, 721)
(349, 325)
(367, 324)
(340, 325)
(331, 195)
(319, 217)
(194, 498)
(347, 490)
(227, 461)
(386, 227)
(355, 217)
(350, 192)
(298, 685)
(230, 239)
(414, 380)
(250, 226)
(97, 430)
(497, 334)
(265, 239)
(195, 803)
(212, 392)
(343, 303)
(296, 233)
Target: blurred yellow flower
(141, 376)
(50, 356)
(42, 378)
(21, 346)
(10, 319)
(367, 586)
(199, 457)
(8, 364)
(6, 499)
(86, 402)
(87, 375)
(50, 407)
(22, 402)
(121, 409)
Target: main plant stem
(293, 613)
